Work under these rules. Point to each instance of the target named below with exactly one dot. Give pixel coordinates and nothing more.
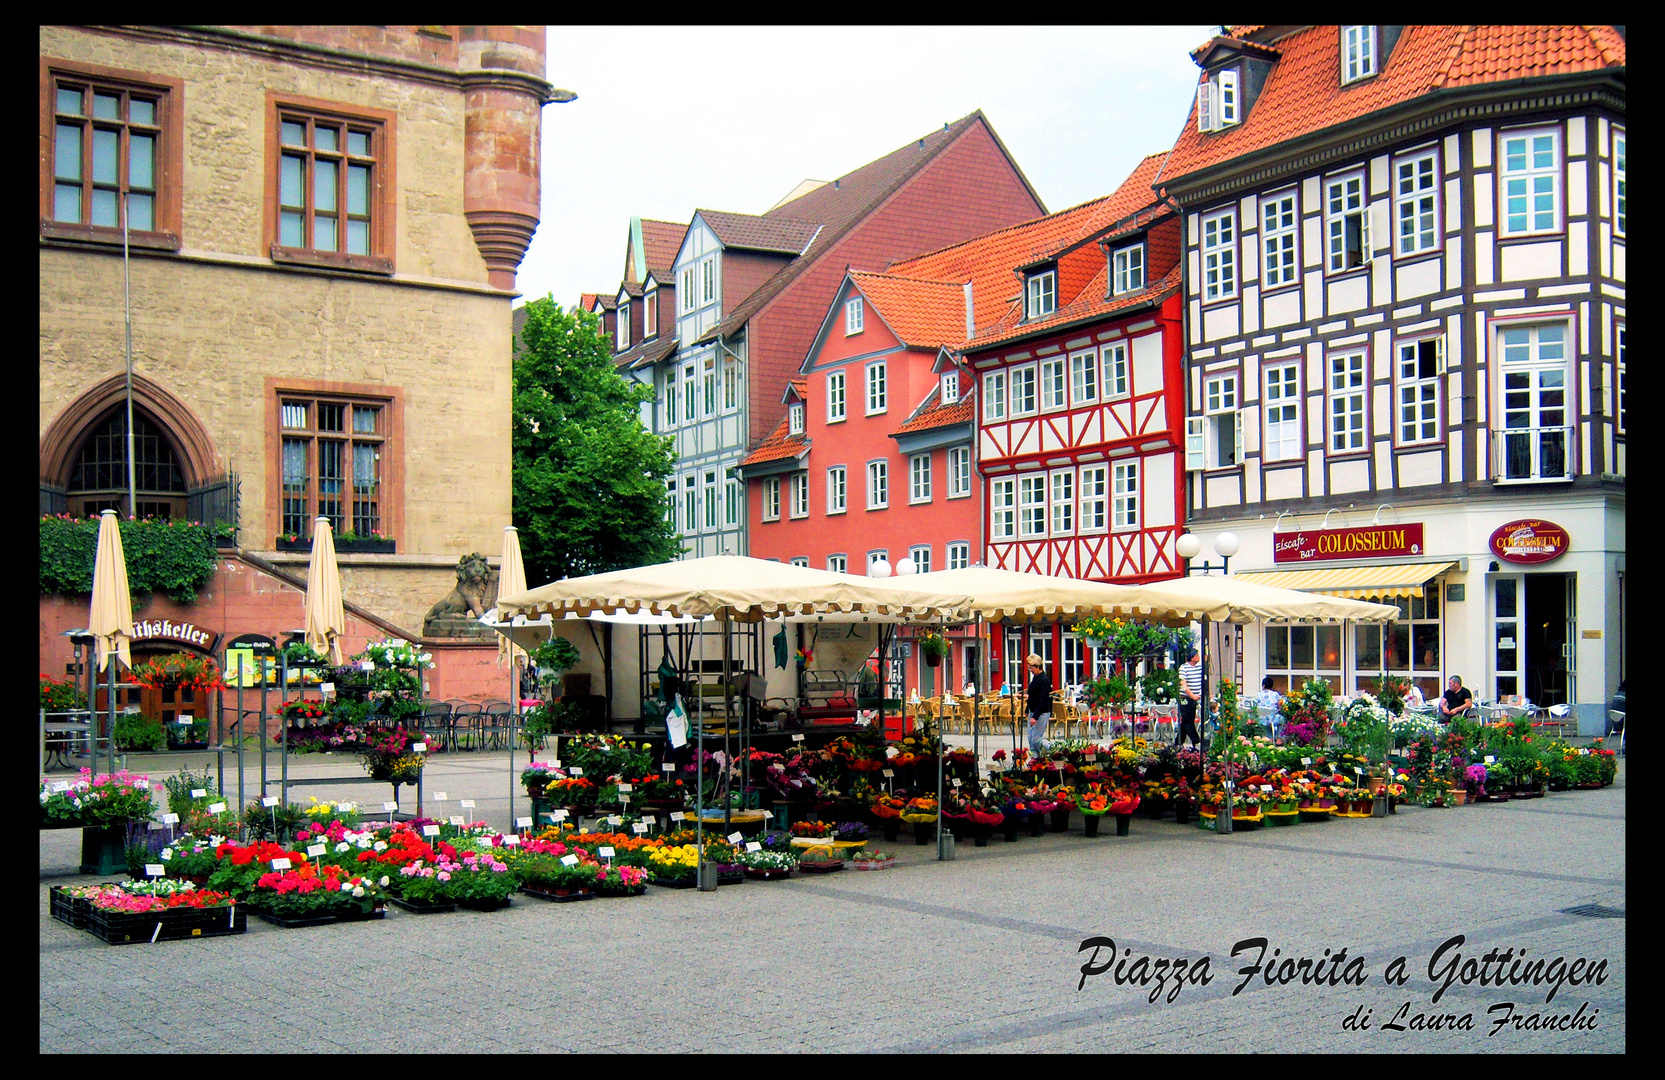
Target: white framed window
(1223, 432)
(731, 504)
(771, 499)
(1095, 499)
(1346, 223)
(878, 485)
(1032, 505)
(1083, 377)
(1283, 413)
(670, 504)
(959, 472)
(919, 478)
(1023, 390)
(1003, 509)
(835, 396)
(1416, 206)
(1346, 389)
(1358, 53)
(1124, 495)
(709, 382)
(1063, 502)
(1279, 240)
(854, 316)
(1115, 370)
(795, 418)
(1618, 181)
(950, 387)
(959, 555)
(1531, 179)
(624, 324)
(1218, 103)
(1536, 436)
(1619, 384)
(1073, 657)
(1052, 384)
(686, 295)
(876, 554)
(710, 493)
(670, 398)
(994, 395)
(731, 384)
(690, 503)
(690, 400)
(800, 495)
(650, 314)
(1417, 370)
(876, 388)
(1041, 294)
(1128, 269)
(838, 563)
(921, 556)
(708, 279)
(1219, 255)
(801, 560)
(837, 491)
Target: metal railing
(1532, 453)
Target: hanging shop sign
(1367, 542)
(242, 658)
(147, 630)
(1530, 540)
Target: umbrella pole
(728, 691)
(110, 658)
(514, 733)
(699, 787)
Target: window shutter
(1237, 439)
(1228, 94)
(1439, 355)
(1205, 106)
(1193, 443)
(1364, 230)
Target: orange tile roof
(923, 314)
(934, 414)
(990, 262)
(661, 240)
(778, 445)
(1090, 304)
(800, 387)
(1303, 93)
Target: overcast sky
(673, 119)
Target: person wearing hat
(1040, 704)
(1190, 692)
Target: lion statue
(476, 590)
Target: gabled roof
(796, 388)
(1303, 94)
(647, 353)
(780, 444)
(932, 413)
(845, 202)
(1090, 304)
(752, 232)
(922, 314)
(660, 242)
(989, 261)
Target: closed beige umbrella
(326, 620)
(511, 581)
(112, 605)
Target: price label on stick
(512, 840)
(1266, 788)
(625, 799)
(677, 815)
(440, 796)
(1089, 757)
(390, 806)
(569, 860)
(456, 819)
(316, 850)
(1306, 761)
(561, 815)
(155, 869)
(217, 808)
(346, 806)
(797, 737)
(956, 781)
(170, 819)
(430, 830)
(57, 786)
(604, 852)
(735, 838)
(523, 823)
(625, 789)
(667, 767)
(753, 845)
(420, 748)
(1357, 771)
(280, 864)
(887, 773)
(199, 793)
(650, 820)
(615, 819)
(638, 828)
(767, 814)
(1490, 759)
(576, 771)
(326, 688)
(466, 804)
(269, 801)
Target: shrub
(136, 731)
(172, 557)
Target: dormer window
(854, 316)
(1219, 102)
(650, 314)
(950, 387)
(1041, 294)
(624, 323)
(795, 418)
(1358, 53)
(1128, 269)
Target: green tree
(589, 479)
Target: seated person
(1271, 706)
(1414, 698)
(1456, 701)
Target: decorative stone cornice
(502, 237)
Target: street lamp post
(1226, 545)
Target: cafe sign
(1529, 540)
(1367, 542)
(168, 630)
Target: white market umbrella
(326, 619)
(112, 605)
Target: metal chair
(1617, 718)
(495, 720)
(436, 723)
(465, 726)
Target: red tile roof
(923, 314)
(1090, 304)
(661, 240)
(752, 232)
(778, 445)
(1303, 93)
(799, 387)
(934, 414)
(989, 262)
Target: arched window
(98, 476)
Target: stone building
(325, 223)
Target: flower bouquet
(921, 813)
(768, 865)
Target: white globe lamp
(1227, 544)
(878, 568)
(1188, 546)
(905, 566)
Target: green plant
(1161, 686)
(172, 557)
(58, 696)
(1114, 691)
(933, 647)
(557, 654)
(180, 785)
(297, 652)
(1391, 691)
(272, 822)
(1096, 626)
(136, 731)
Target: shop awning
(1357, 582)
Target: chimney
(970, 320)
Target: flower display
(102, 802)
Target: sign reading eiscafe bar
(1369, 541)
(189, 633)
(1529, 541)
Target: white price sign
(390, 806)
(767, 814)
(456, 819)
(316, 850)
(604, 852)
(677, 815)
(217, 808)
(667, 767)
(199, 793)
(1357, 771)
(466, 804)
(269, 801)
(561, 815)
(576, 771)
(430, 830)
(569, 860)
(1490, 759)
(280, 864)
(170, 819)
(735, 838)
(887, 773)
(956, 781)
(155, 869)
(753, 845)
(651, 819)
(346, 806)
(614, 819)
(1306, 761)
(440, 796)
(625, 789)
(420, 748)
(511, 840)
(638, 828)
(523, 823)
(797, 738)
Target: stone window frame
(170, 152)
(391, 400)
(383, 182)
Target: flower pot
(771, 874)
(922, 835)
(933, 660)
(1061, 820)
(1010, 829)
(1123, 822)
(1037, 825)
(1313, 815)
(1182, 813)
(1090, 823)
(1457, 796)
(892, 828)
(980, 835)
(104, 850)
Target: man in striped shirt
(1190, 687)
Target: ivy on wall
(175, 558)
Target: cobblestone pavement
(975, 955)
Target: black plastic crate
(127, 928)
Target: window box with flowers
(346, 543)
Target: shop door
(1509, 651)
(927, 675)
(1549, 638)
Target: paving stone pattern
(975, 955)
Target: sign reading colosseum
(1529, 541)
(1368, 542)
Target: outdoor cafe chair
(465, 726)
(436, 724)
(495, 720)
(1617, 717)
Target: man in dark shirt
(1456, 701)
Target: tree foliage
(173, 557)
(589, 479)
